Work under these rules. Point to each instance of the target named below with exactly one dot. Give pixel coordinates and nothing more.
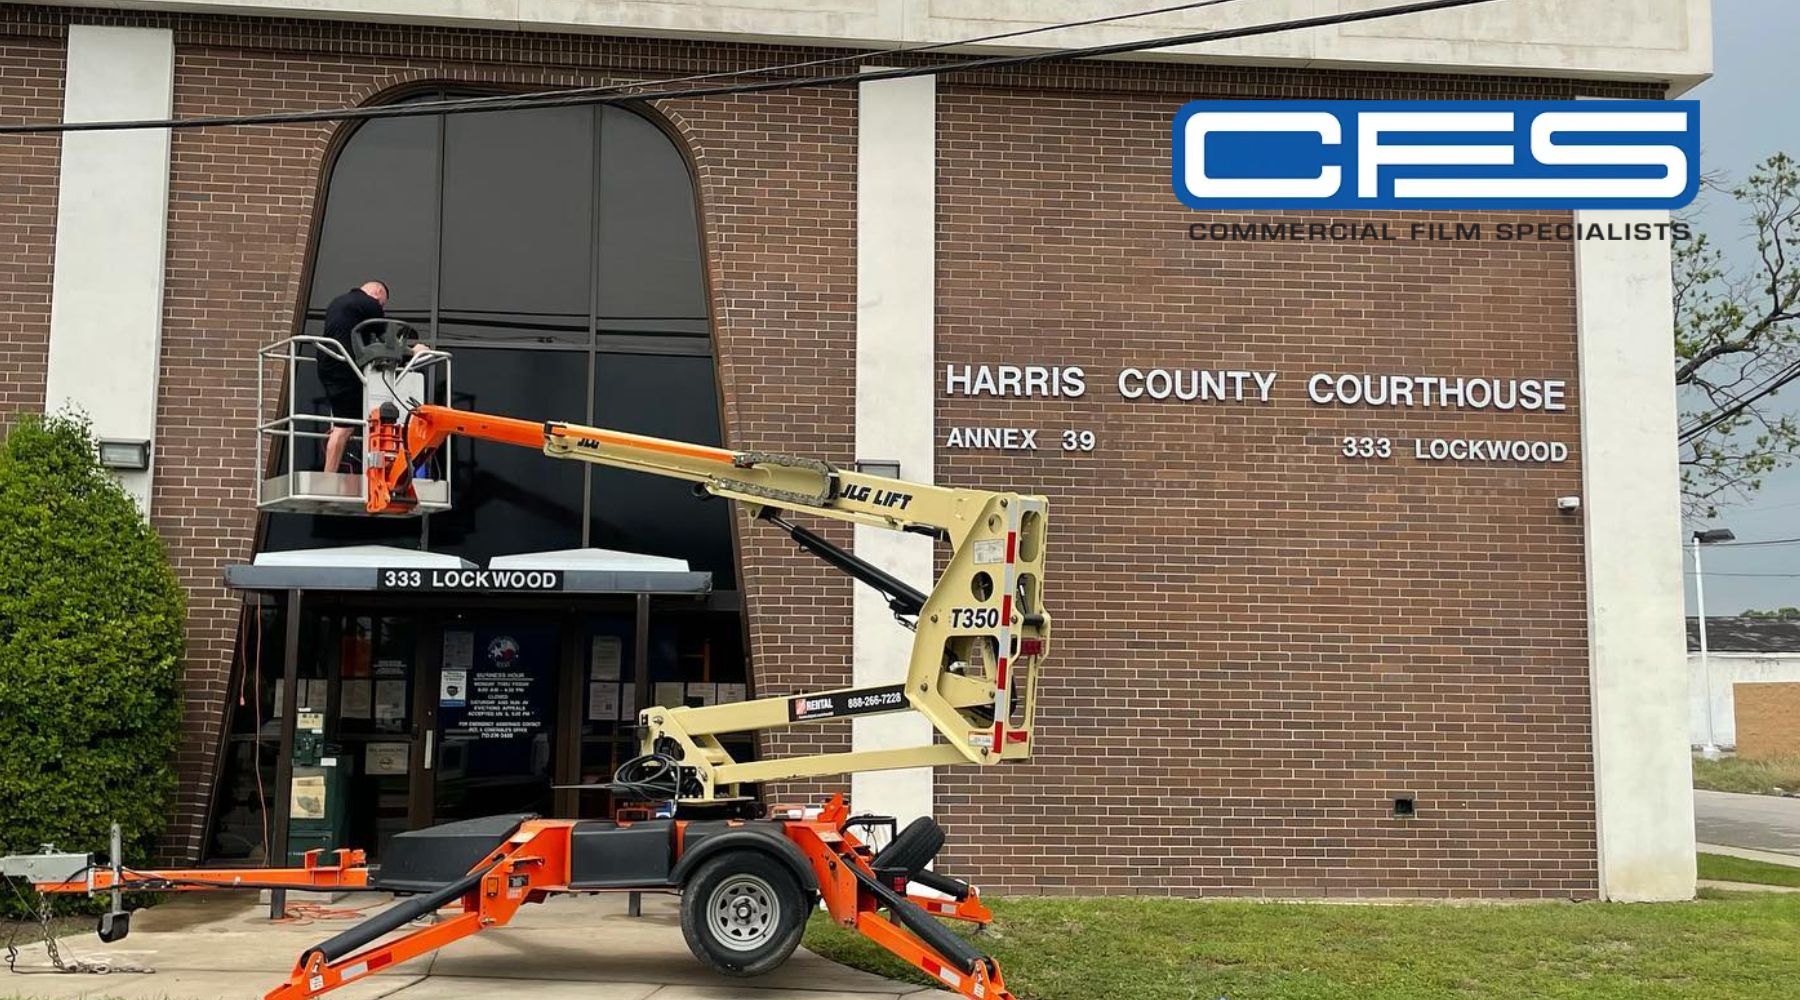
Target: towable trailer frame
(747, 888)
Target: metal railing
(282, 425)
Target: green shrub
(90, 650)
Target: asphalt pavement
(1755, 822)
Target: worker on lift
(343, 387)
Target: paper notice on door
(453, 689)
(702, 694)
(603, 701)
(313, 693)
(729, 693)
(390, 700)
(387, 758)
(669, 694)
(356, 699)
(628, 702)
(308, 798)
(459, 650)
(607, 656)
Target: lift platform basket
(292, 430)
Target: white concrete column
(896, 261)
(1637, 647)
(111, 222)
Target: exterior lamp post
(1711, 750)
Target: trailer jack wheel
(743, 913)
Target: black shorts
(346, 399)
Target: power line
(611, 96)
(1741, 403)
(1778, 576)
(904, 50)
(1766, 506)
(1744, 545)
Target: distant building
(1740, 651)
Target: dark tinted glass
(507, 499)
(518, 226)
(650, 276)
(522, 266)
(669, 397)
(381, 217)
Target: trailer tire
(743, 913)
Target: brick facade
(33, 86)
(1259, 643)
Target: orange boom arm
(399, 447)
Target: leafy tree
(90, 645)
(1736, 334)
(1777, 615)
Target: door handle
(430, 741)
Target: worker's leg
(346, 404)
(335, 446)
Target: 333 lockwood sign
(481, 580)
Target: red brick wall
(1259, 643)
(32, 69)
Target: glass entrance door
(495, 735)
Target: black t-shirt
(341, 316)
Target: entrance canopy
(382, 567)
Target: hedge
(90, 647)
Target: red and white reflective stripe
(1002, 694)
(943, 972)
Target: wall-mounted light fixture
(879, 467)
(129, 456)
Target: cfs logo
(1437, 154)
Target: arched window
(556, 253)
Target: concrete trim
(1637, 646)
(1643, 40)
(111, 228)
(896, 265)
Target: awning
(384, 568)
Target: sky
(1748, 111)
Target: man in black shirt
(342, 385)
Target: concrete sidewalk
(223, 947)
(1758, 822)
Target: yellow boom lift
(748, 874)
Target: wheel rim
(743, 913)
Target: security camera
(1568, 505)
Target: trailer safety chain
(57, 962)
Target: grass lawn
(1722, 947)
(1756, 777)
(1724, 868)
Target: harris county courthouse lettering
(1322, 627)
